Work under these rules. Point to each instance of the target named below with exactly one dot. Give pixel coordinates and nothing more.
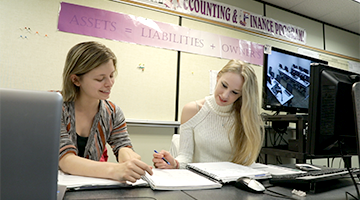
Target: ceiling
(344, 14)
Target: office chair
(175, 143)
(286, 69)
(271, 72)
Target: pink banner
(228, 14)
(128, 28)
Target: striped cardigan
(109, 126)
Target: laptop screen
(29, 143)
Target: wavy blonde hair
(81, 59)
(248, 124)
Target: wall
(34, 59)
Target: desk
(143, 193)
(336, 191)
(229, 192)
(300, 85)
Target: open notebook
(179, 179)
(162, 179)
(226, 172)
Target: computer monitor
(286, 81)
(331, 115)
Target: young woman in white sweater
(223, 127)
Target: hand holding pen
(163, 160)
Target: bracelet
(176, 164)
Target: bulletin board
(33, 53)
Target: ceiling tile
(340, 13)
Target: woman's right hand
(130, 170)
(161, 164)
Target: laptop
(29, 143)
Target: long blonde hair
(248, 124)
(81, 59)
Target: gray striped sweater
(109, 126)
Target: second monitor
(331, 113)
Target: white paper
(179, 179)
(73, 181)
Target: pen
(163, 158)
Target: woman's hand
(160, 163)
(130, 170)
(130, 167)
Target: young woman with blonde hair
(226, 126)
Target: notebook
(162, 179)
(179, 179)
(275, 169)
(226, 172)
(73, 182)
(29, 143)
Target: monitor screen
(286, 81)
(331, 116)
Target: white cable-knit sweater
(205, 137)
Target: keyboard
(314, 176)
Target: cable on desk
(188, 194)
(280, 129)
(279, 195)
(348, 193)
(351, 175)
